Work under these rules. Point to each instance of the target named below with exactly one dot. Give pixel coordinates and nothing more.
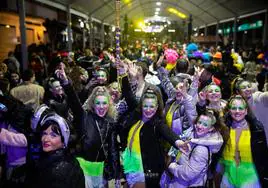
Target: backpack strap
(209, 158)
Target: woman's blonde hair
(101, 91)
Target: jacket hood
(213, 140)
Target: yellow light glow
(176, 12)
(141, 24)
(126, 1)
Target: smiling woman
(245, 148)
(56, 167)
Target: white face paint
(245, 89)
(203, 126)
(213, 93)
(149, 107)
(101, 76)
(238, 109)
(101, 105)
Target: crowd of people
(161, 115)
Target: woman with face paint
(190, 169)
(244, 157)
(141, 135)
(210, 98)
(258, 101)
(56, 167)
(99, 155)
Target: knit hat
(206, 58)
(217, 55)
(61, 122)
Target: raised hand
(202, 95)
(182, 88)
(61, 75)
(183, 146)
(122, 67)
(110, 56)
(92, 82)
(132, 70)
(197, 71)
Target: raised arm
(193, 91)
(127, 92)
(73, 99)
(261, 97)
(190, 108)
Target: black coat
(152, 134)
(58, 170)
(96, 145)
(259, 149)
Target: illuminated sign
(243, 27)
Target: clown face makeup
(203, 126)
(56, 88)
(245, 89)
(213, 93)
(101, 105)
(149, 108)
(51, 141)
(101, 76)
(114, 91)
(238, 109)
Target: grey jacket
(259, 106)
(191, 168)
(185, 115)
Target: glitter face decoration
(203, 125)
(101, 76)
(245, 89)
(114, 91)
(149, 107)
(213, 93)
(238, 109)
(101, 105)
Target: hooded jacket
(192, 167)
(186, 111)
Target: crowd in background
(163, 115)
